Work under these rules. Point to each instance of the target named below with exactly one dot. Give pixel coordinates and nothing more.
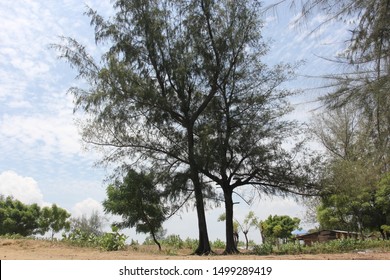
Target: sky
(42, 157)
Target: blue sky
(42, 158)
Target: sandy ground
(22, 249)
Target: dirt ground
(22, 249)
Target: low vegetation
(108, 241)
(331, 247)
(174, 245)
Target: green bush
(218, 244)
(173, 241)
(109, 241)
(290, 249)
(112, 241)
(331, 247)
(263, 249)
(15, 236)
(191, 243)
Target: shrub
(334, 246)
(191, 243)
(290, 249)
(173, 241)
(263, 249)
(109, 241)
(112, 241)
(219, 244)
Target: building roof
(330, 230)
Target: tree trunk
(246, 239)
(231, 247)
(155, 240)
(204, 243)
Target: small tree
(236, 226)
(249, 221)
(53, 218)
(91, 225)
(278, 227)
(138, 200)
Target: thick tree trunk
(204, 243)
(231, 247)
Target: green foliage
(112, 241)
(108, 241)
(18, 218)
(356, 127)
(15, 236)
(263, 249)
(81, 238)
(183, 87)
(173, 241)
(352, 199)
(218, 244)
(278, 227)
(383, 200)
(53, 218)
(138, 200)
(190, 243)
(358, 202)
(330, 247)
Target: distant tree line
(17, 218)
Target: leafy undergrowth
(174, 245)
(331, 247)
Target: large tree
(247, 139)
(351, 173)
(166, 62)
(366, 58)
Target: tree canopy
(177, 75)
(19, 218)
(278, 227)
(139, 202)
(54, 218)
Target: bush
(109, 241)
(263, 249)
(331, 247)
(191, 243)
(290, 249)
(218, 244)
(112, 241)
(173, 241)
(15, 236)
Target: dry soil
(25, 249)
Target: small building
(325, 235)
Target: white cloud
(40, 134)
(87, 207)
(21, 188)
